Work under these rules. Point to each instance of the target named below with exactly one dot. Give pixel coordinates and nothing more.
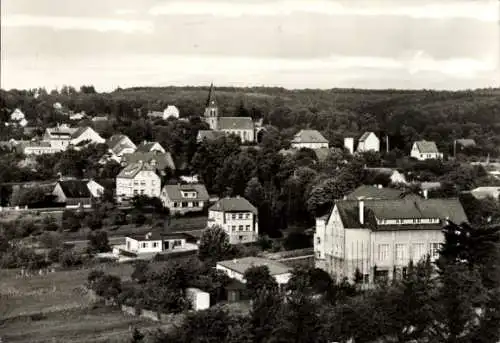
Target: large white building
(378, 237)
(137, 179)
(62, 136)
(425, 150)
(309, 139)
(238, 217)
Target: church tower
(211, 110)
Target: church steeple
(211, 100)
(211, 109)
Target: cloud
(415, 70)
(125, 11)
(79, 23)
(484, 10)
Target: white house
(368, 142)
(171, 111)
(154, 242)
(17, 115)
(95, 189)
(36, 148)
(184, 198)
(238, 217)
(349, 144)
(310, 139)
(137, 179)
(118, 146)
(59, 136)
(378, 237)
(395, 176)
(425, 150)
(146, 147)
(236, 268)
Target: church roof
(235, 123)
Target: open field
(84, 325)
(53, 292)
(56, 308)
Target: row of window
(408, 221)
(143, 182)
(145, 245)
(239, 216)
(401, 252)
(186, 204)
(240, 228)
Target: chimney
(361, 206)
(425, 192)
(148, 235)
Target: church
(244, 127)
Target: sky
(408, 44)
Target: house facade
(60, 136)
(184, 198)
(237, 217)
(381, 237)
(309, 139)
(74, 193)
(425, 150)
(243, 127)
(236, 268)
(154, 242)
(137, 179)
(118, 146)
(368, 142)
(36, 148)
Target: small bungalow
(74, 193)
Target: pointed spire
(211, 101)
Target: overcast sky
(441, 44)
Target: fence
(289, 254)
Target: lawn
(56, 308)
(53, 292)
(99, 324)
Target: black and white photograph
(250, 171)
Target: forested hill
(404, 115)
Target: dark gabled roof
(162, 160)
(209, 135)
(78, 132)
(373, 192)
(75, 188)
(235, 123)
(408, 208)
(174, 191)
(146, 146)
(309, 136)
(130, 171)
(237, 204)
(155, 235)
(427, 147)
